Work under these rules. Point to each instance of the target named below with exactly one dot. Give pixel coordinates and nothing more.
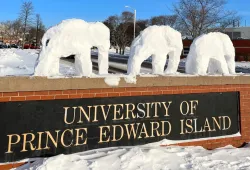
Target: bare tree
(164, 20)
(120, 28)
(25, 16)
(195, 17)
(112, 23)
(17, 30)
(39, 28)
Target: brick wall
(137, 91)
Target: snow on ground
(148, 158)
(17, 62)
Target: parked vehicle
(31, 46)
(13, 46)
(3, 46)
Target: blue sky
(53, 11)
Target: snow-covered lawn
(149, 158)
(17, 62)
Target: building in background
(238, 32)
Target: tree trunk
(36, 35)
(123, 51)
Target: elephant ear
(173, 37)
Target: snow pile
(74, 36)
(17, 62)
(148, 158)
(158, 42)
(212, 53)
(112, 80)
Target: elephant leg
(47, 66)
(173, 61)
(189, 65)
(158, 63)
(231, 64)
(103, 60)
(195, 65)
(83, 63)
(54, 69)
(223, 67)
(135, 61)
(201, 66)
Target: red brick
(95, 90)
(186, 91)
(63, 96)
(135, 93)
(47, 97)
(119, 89)
(18, 98)
(11, 165)
(10, 94)
(152, 89)
(167, 92)
(69, 92)
(157, 92)
(163, 88)
(125, 94)
(113, 94)
(26, 93)
(101, 95)
(88, 95)
(4, 99)
(56, 92)
(147, 93)
(107, 90)
(33, 97)
(74, 96)
(39, 93)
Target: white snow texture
(74, 37)
(158, 42)
(211, 53)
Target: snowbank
(74, 36)
(17, 62)
(158, 42)
(148, 158)
(212, 53)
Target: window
(234, 35)
(185, 51)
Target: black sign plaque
(47, 128)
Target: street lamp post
(134, 17)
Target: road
(118, 64)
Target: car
(13, 46)
(3, 46)
(30, 46)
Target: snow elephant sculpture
(74, 37)
(158, 42)
(211, 53)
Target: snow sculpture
(212, 53)
(158, 42)
(74, 37)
